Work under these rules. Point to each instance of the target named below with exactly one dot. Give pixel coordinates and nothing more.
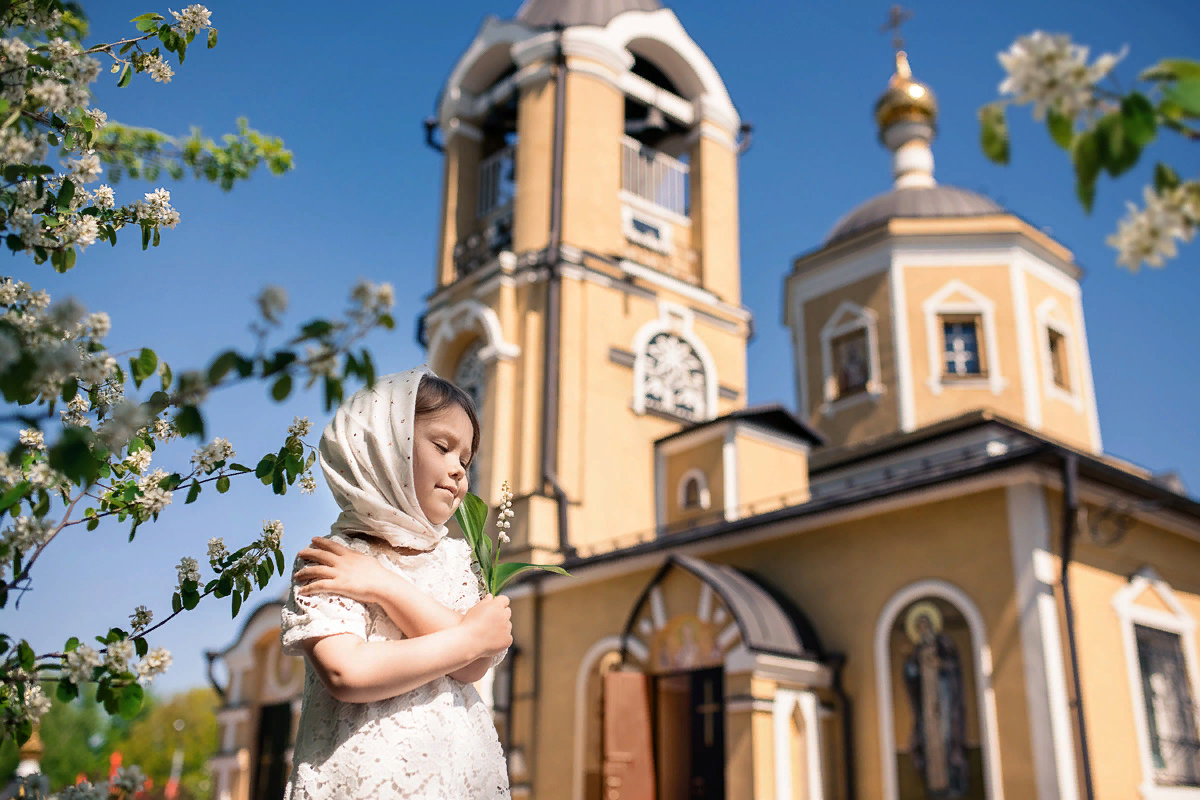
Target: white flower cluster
(272, 302)
(192, 19)
(75, 414)
(129, 780)
(1149, 235)
(1053, 74)
(272, 534)
(163, 430)
(140, 460)
(505, 515)
(308, 484)
(321, 362)
(153, 664)
(300, 427)
(32, 438)
(27, 533)
(118, 655)
(188, 570)
(156, 209)
(36, 702)
(214, 452)
(153, 497)
(141, 618)
(80, 663)
(216, 550)
(371, 299)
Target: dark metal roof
(766, 627)
(545, 13)
(772, 416)
(935, 201)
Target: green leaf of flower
(1137, 116)
(1165, 179)
(993, 132)
(212, 38)
(223, 484)
(1061, 129)
(126, 77)
(131, 700)
(282, 388)
(506, 572)
(1186, 95)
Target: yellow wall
(1059, 418)
(707, 457)
(769, 475)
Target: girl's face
(441, 455)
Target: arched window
(471, 376)
(693, 491)
(675, 382)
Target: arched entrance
(678, 703)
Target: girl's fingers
(321, 543)
(315, 573)
(317, 556)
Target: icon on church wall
(850, 362)
(933, 679)
(686, 642)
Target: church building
(923, 579)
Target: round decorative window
(675, 382)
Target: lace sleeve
(316, 616)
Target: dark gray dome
(545, 13)
(934, 201)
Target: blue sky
(347, 91)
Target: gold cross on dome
(897, 16)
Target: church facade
(929, 581)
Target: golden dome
(33, 748)
(905, 98)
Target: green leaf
(1118, 153)
(237, 603)
(25, 656)
(191, 598)
(166, 376)
(993, 132)
(221, 366)
(1170, 69)
(13, 495)
(151, 16)
(471, 515)
(223, 484)
(65, 194)
(282, 388)
(189, 421)
(1137, 116)
(143, 366)
(266, 466)
(24, 729)
(131, 700)
(72, 645)
(145, 26)
(176, 603)
(126, 77)
(1085, 154)
(193, 493)
(279, 560)
(67, 691)
(1061, 128)
(506, 572)
(141, 645)
(212, 38)
(262, 574)
(1165, 179)
(1186, 95)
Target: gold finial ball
(33, 748)
(906, 99)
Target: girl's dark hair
(436, 394)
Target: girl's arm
(356, 671)
(337, 569)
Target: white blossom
(159, 70)
(118, 655)
(1148, 235)
(321, 362)
(81, 231)
(140, 460)
(36, 702)
(300, 427)
(192, 19)
(216, 550)
(163, 430)
(50, 93)
(98, 324)
(78, 665)
(215, 451)
(75, 412)
(156, 208)
(41, 476)
(27, 533)
(371, 298)
(154, 663)
(86, 168)
(153, 498)
(125, 419)
(104, 197)
(272, 534)
(308, 484)
(100, 119)
(141, 618)
(272, 302)
(1052, 73)
(188, 570)
(32, 438)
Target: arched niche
(450, 329)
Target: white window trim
(664, 245)
(697, 474)
(1178, 621)
(680, 321)
(989, 735)
(977, 303)
(1048, 320)
(848, 318)
(446, 324)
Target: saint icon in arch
(934, 683)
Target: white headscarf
(367, 456)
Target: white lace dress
(437, 742)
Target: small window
(1058, 359)
(851, 362)
(962, 353)
(691, 493)
(646, 229)
(1170, 710)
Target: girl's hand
(336, 569)
(490, 622)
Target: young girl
(388, 609)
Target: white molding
(456, 127)
(664, 243)
(860, 318)
(1025, 348)
(690, 439)
(830, 277)
(799, 353)
(789, 702)
(1178, 621)
(752, 431)
(977, 303)
(1046, 322)
(679, 321)
(988, 731)
(642, 205)
(672, 105)
(729, 466)
(1089, 388)
(1051, 733)
(492, 35)
(695, 473)
(449, 322)
(606, 645)
(660, 488)
(904, 364)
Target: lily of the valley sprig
(472, 516)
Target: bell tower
(588, 284)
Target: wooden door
(274, 735)
(628, 768)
